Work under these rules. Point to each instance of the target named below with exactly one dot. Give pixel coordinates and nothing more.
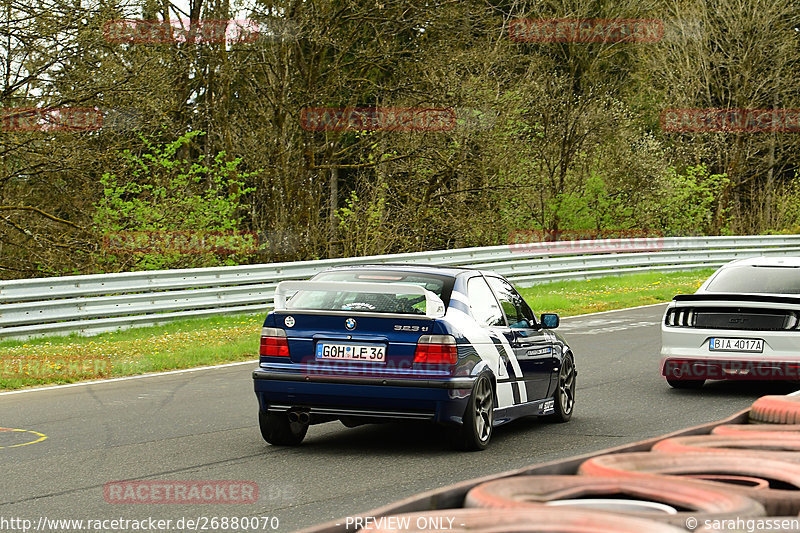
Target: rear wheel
(279, 431)
(686, 383)
(565, 394)
(476, 431)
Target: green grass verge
(569, 298)
(176, 345)
(225, 339)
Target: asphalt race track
(202, 426)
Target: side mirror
(550, 320)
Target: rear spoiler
(734, 297)
(434, 307)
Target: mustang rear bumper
(438, 400)
(683, 368)
(685, 354)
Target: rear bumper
(451, 383)
(688, 368)
(685, 355)
(438, 400)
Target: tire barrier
(676, 499)
(779, 446)
(544, 520)
(761, 431)
(746, 481)
(730, 476)
(776, 410)
(777, 501)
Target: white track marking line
(613, 311)
(128, 378)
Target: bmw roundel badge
(350, 323)
(289, 321)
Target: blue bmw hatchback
(452, 346)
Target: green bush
(171, 211)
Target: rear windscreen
(757, 279)
(413, 304)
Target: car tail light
(436, 349)
(680, 317)
(274, 343)
(792, 321)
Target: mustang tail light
(274, 343)
(680, 317)
(436, 349)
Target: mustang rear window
(757, 279)
(413, 304)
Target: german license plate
(717, 344)
(375, 353)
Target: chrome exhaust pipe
(293, 416)
(304, 417)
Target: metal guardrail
(96, 303)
